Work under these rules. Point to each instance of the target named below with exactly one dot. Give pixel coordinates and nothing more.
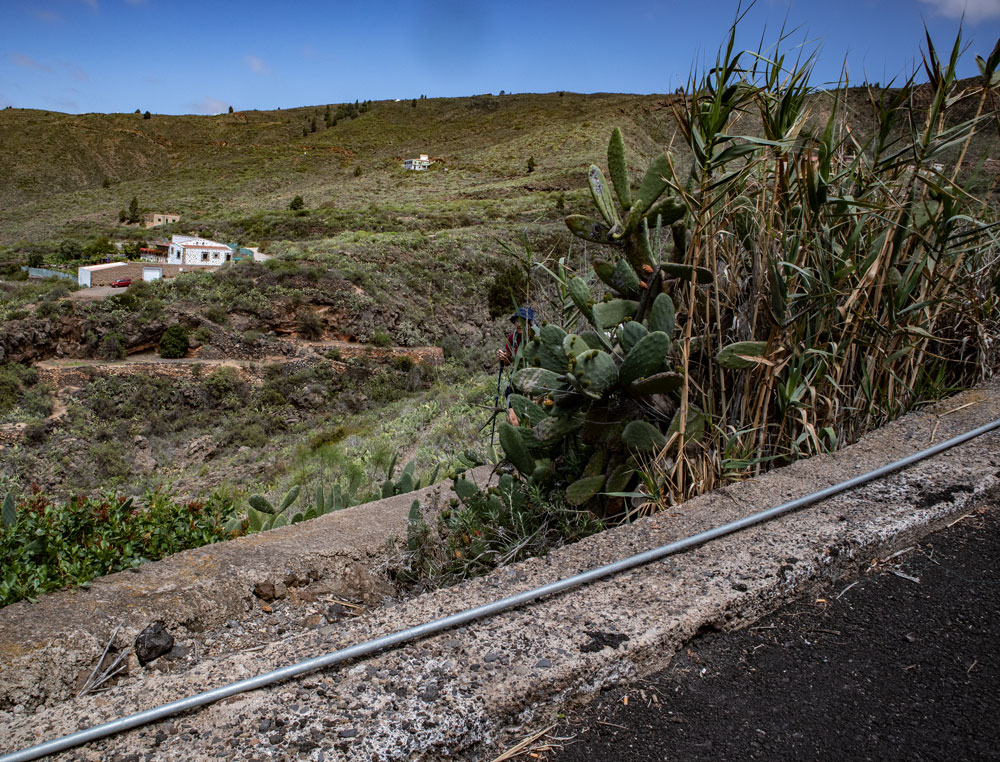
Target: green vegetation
(46, 545)
(768, 300)
(799, 267)
(173, 342)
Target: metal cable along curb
(166, 710)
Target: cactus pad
(645, 358)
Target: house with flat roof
(198, 252)
(417, 164)
(155, 219)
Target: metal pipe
(428, 628)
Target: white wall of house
(83, 273)
(198, 252)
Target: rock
(543, 664)
(264, 590)
(153, 642)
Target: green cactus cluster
(593, 405)
(406, 481)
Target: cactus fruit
(645, 358)
(601, 192)
(582, 490)
(662, 315)
(630, 335)
(742, 354)
(595, 372)
(643, 437)
(515, 449)
(609, 314)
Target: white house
(201, 252)
(418, 164)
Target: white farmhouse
(201, 252)
(418, 164)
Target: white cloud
(974, 10)
(29, 63)
(256, 65)
(92, 4)
(209, 106)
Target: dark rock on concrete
(152, 643)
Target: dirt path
(903, 664)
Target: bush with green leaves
(46, 545)
(174, 342)
(382, 339)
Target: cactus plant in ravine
(593, 405)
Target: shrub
(382, 339)
(111, 347)
(310, 324)
(202, 334)
(54, 544)
(217, 314)
(174, 342)
(508, 290)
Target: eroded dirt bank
(464, 693)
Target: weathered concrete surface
(45, 645)
(464, 693)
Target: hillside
(54, 167)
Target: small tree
(357, 171)
(531, 164)
(230, 109)
(297, 203)
(147, 115)
(69, 251)
(173, 342)
(133, 210)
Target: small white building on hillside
(418, 164)
(84, 275)
(200, 252)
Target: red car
(122, 283)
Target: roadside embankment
(466, 692)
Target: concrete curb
(462, 694)
(44, 645)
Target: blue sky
(182, 56)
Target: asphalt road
(902, 663)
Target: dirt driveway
(94, 294)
